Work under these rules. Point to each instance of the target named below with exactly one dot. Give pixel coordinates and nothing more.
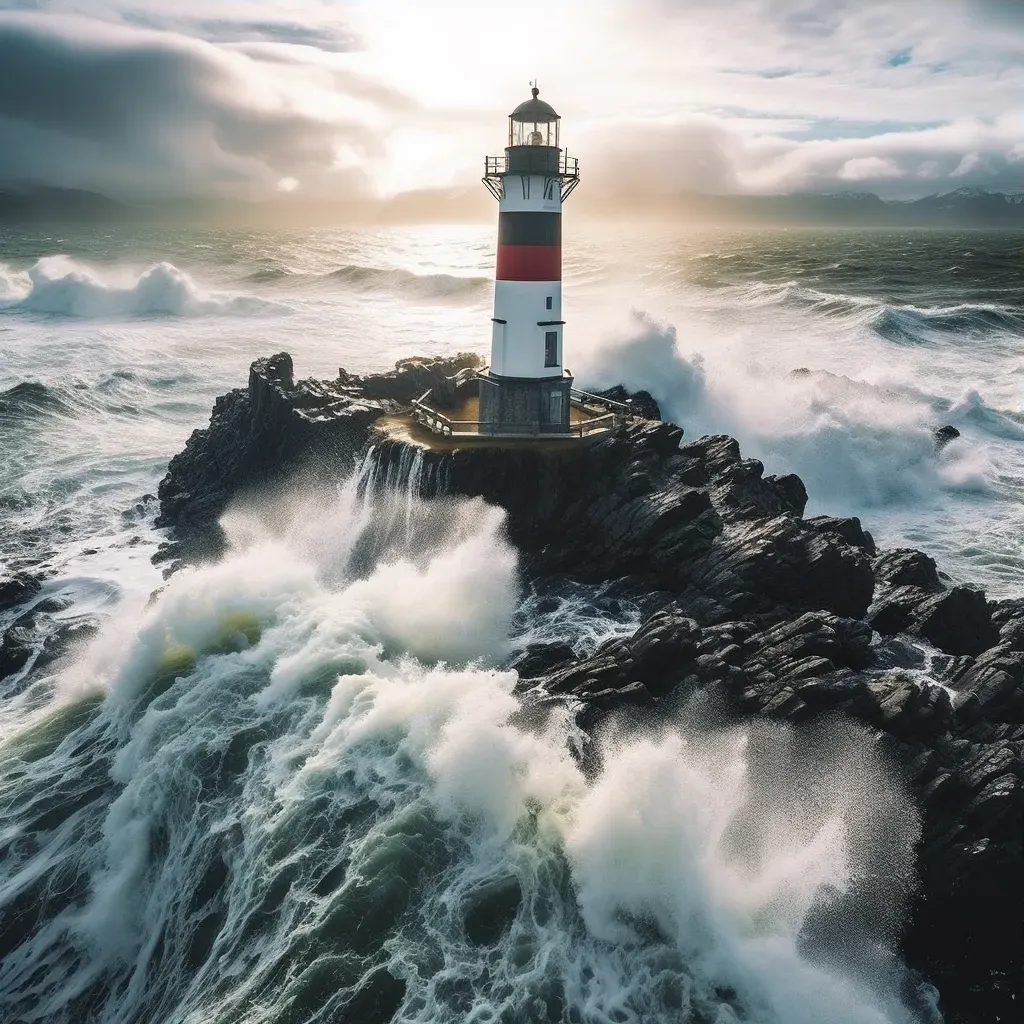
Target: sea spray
(855, 445)
(304, 796)
(63, 286)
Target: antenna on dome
(534, 89)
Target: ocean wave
(30, 399)
(395, 279)
(913, 324)
(369, 278)
(902, 324)
(854, 445)
(306, 797)
(62, 286)
(972, 410)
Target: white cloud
(869, 168)
(353, 98)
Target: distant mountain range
(964, 208)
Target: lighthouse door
(555, 399)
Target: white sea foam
(854, 444)
(696, 876)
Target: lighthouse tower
(527, 389)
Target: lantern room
(533, 123)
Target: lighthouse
(527, 390)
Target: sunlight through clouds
(358, 99)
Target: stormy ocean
(297, 786)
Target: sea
(301, 785)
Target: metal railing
(438, 423)
(586, 398)
(566, 166)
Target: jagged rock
(912, 599)
(943, 435)
(1008, 618)
(905, 567)
(849, 529)
(957, 621)
(18, 587)
(539, 658)
(410, 378)
(993, 686)
(767, 613)
(642, 402)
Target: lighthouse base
(524, 405)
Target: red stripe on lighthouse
(529, 263)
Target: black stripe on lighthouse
(521, 228)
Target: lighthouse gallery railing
(438, 423)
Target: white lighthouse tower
(526, 390)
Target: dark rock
(943, 435)
(540, 658)
(17, 588)
(911, 598)
(1008, 618)
(957, 621)
(410, 378)
(641, 403)
(849, 529)
(759, 612)
(905, 567)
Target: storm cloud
(350, 100)
(144, 113)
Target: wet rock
(849, 529)
(759, 613)
(905, 567)
(17, 588)
(539, 658)
(911, 598)
(642, 403)
(943, 435)
(993, 686)
(409, 379)
(957, 621)
(1008, 618)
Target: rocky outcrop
(698, 520)
(961, 756)
(763, 613)
(279, 427)
(912, 599)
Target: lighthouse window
(547, 303)
(551, 348)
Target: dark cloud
(145, 113)
(331, 38)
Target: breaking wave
(910, 324)
(283, 793)
(901, 324)
(62, 286)
(854, 445)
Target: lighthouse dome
(534, 111)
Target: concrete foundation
(517, 405)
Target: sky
(357, 100)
